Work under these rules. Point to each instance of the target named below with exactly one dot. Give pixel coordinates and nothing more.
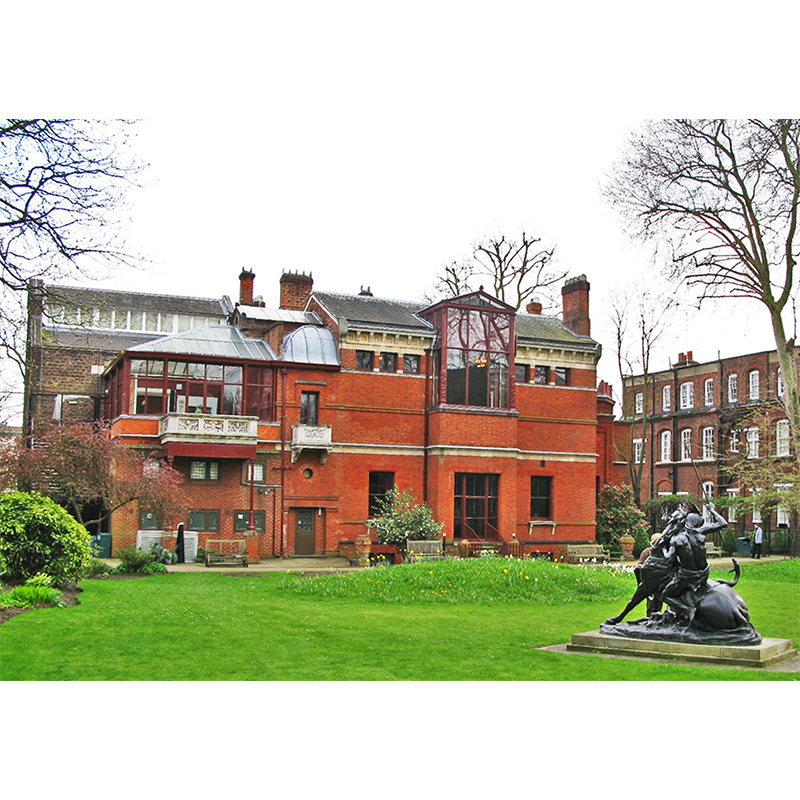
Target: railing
(208, 428)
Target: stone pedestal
(769, 652)
(627, 543)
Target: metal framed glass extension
(476, 506)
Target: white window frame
(708, 444)
(733, 494)
(665, 439)
(756, 511)
(782, 437)
(753, 384)
(638, 451)
(752, 442)
(781, 388)
(708, 391)
(687, 395)
(666, 398)
(734, 441)
(782, 512)
(708, 489)
(686, 444)
(733, 388)
(638, 403)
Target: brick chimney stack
(575, 299)
(295, 290)
(534, 307)
(246, 279)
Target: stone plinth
(765, 654)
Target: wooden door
(305, 531)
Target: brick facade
(357, 389)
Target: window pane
(541, 374)
(388, 362)
(457, 377)
(521, 373)
(562, 376)
(380, 484)
(213, 470)
(411, 364)
(197, 470)
(233, 374)
(540, 497)
(214, 372)
(364, 359)
(232, 401)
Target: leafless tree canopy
(62, 195)
(724, 196)
(514, 269)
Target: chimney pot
(575, 300)
(246, 278)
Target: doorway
(305, 533)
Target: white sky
(371, 143)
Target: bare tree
(62, 193)
(724, 196)
(640, 316)
(517, 269)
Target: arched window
(782, 437)
(753, 384)
(666, 398)
(666, 446)
(686, 444)
(733, 388)
(708, 444)
(708, 392)
(687, 395)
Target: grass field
(423, 622)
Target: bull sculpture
(676, 573)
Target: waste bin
(101, 545)
(744, 546)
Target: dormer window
(474, 356)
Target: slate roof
(84, 297)
(374, 312)
(92, 339)
(224, 341)
(538, 328)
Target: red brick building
(288, 424)
(699, 418)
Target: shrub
(96, 568)
(138, 562)
(402, 518)
(728, 541)
(31, 595)
(618, 515)
(40, 579)
(38, 536)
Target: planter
(627, 543)
(362, 546)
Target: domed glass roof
(311, 345)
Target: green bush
(40, 579)
(402, 518)
(31, 595)
(38, 536)
(96, 568)
(728, 541)
(641, 541)
(618, 515)
(134, 561)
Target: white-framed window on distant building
(734, 441)
(687, 395)
(708, 490)
(733, 496)
(752, 442)
(638, 451)
(666, 398)
(780, 388)
(733, 388)
(756, 508)
(708, 444)
(782, 437)
(708, 391)
(686, 444)
(666, 446)
(638, 403)
(782, 511)
(753, 384)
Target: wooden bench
(576, 553)
(712, 551)
(424, 550)
(226, 552)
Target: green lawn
(260, 627)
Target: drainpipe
(283, 462)
(251, 525)
(426, 440)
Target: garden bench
(583, 552)
(712, 551)
(224, 552)
(424, 550)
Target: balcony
(208, 435)
(312, 437)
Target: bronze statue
(676, 573)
